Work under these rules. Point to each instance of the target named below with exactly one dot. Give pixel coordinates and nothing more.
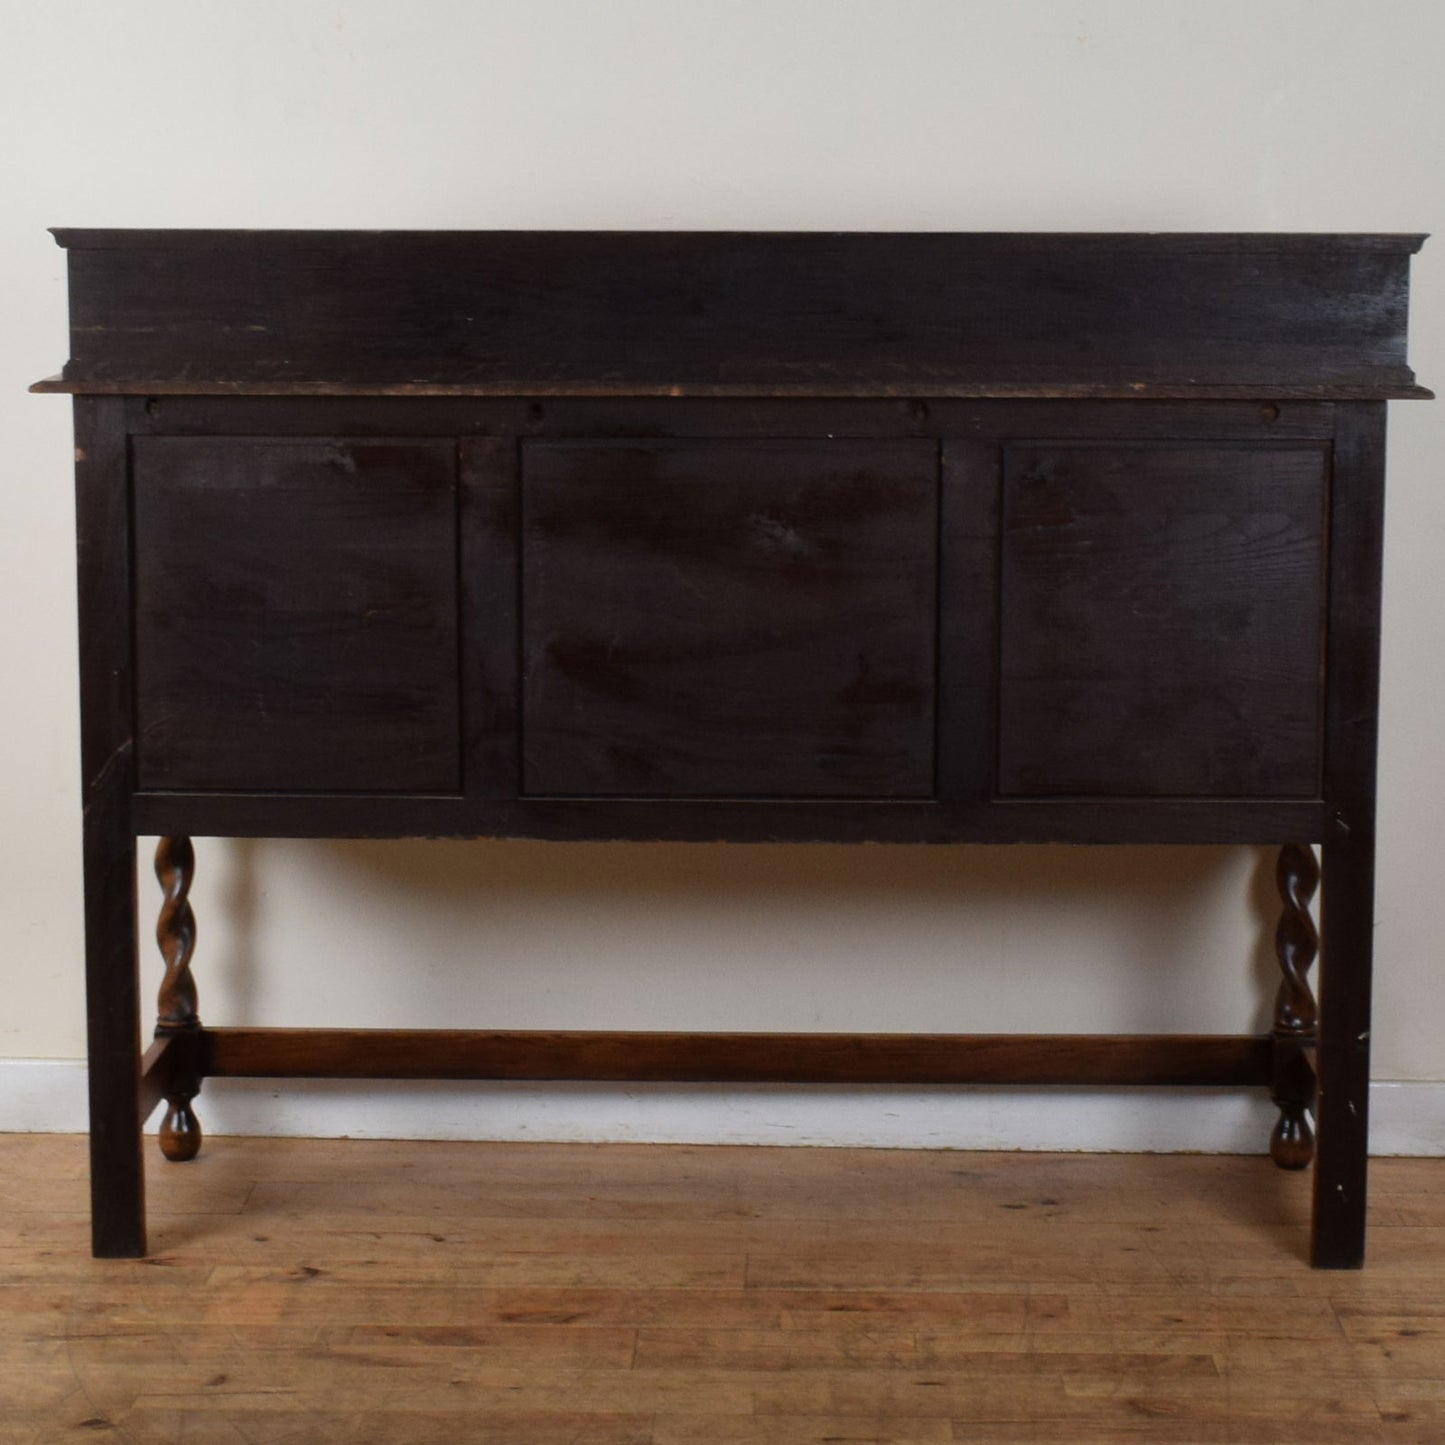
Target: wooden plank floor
(306, 1291)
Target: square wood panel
(296, 614)
(1162, 619)
(729, 618)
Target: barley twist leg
(1296, 1015)
(176, 1015)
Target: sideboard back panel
(724, 536)
(729, 618)
(1163, 613)
(296, 614)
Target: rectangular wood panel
(296, 614)
(730, 618)
(748, 313)
(1162, 620)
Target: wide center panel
(729, 618)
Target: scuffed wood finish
(745, 619)
(296, 614)
(1296, 1015)
(551, 1294)
(107, 759)
(177, 1016)
(1347, 899)
(156, 1066)
(499, 420)
(1041, 1059)
(679, 312)
(749, 820)
(1003, 391)
(747, 537)
(488, 521)
(1162, 620)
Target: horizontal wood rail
(1037, 1059)
(155, 1072)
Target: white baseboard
(48, 1096)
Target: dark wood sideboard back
(750, 536)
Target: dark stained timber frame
(898, 538)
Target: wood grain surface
(1032, 1059)
(310, 1291)
(729, 618)
(763, 313)
(1163, 617)
(107, 752)
(296, 613)
(854, 603)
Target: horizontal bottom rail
(155, 1071)
(1028, 1059)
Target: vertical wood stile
(102, 505)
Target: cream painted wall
(888, 114)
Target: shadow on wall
(607, 929)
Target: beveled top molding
(717, 313)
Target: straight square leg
(117, 1179)
(1347, 914)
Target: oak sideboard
(904, 538)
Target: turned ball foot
(1292, 1144)
(180, 1131)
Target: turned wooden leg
(176, 1015)
(1296, 1016)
